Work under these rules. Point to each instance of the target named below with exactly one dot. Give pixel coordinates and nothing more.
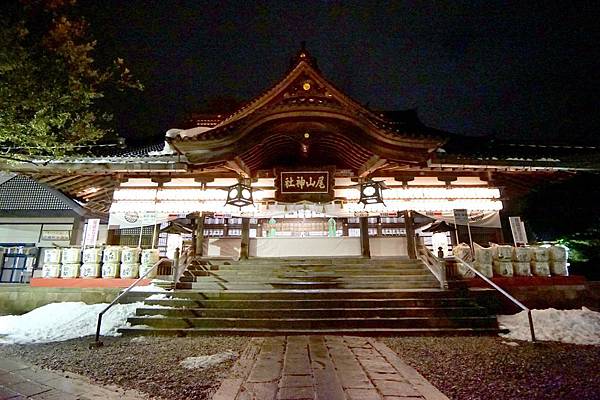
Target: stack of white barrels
(540, 261)
(484, 257)
(503, 260)
(149, 258)
(522, 261)
(130, 262)
(558, 260)
(111, 259)
(51, 267)
(92, 258)
(71, 260)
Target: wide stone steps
(367, 312)
(464, 331)
(311, 296)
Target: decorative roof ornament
(303, 55)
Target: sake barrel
(69, 270)
(51, 270)
(71, 255)
(483, 255)
(522, 268)
(150, 257)
(463, 251)
(111, 254)
(110, 270)
(503, 268)
(92, 256)
(129, 271)
(486, 270)
(540, 268)
(52, 256)
(558, 253)
(559, 268)
(522, 254)
(130, 255)
(540, 253)
(90, 270)
(144, 268)
(503, 252)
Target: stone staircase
(311, 296)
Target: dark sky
(511, 69)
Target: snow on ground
(208, 361)
(148, 288)
(62, 321)
(567, 326)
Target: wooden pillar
(410, 235)
(364, 237)
(199, 234)
(245, 247)
(77, 231)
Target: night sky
(508, 69)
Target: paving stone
(296, 393)
(10, 378)
(38, 375)
(401, 398)
(357, 341)
(365, 353)
(54, 394)
(393, 388)
(394, 376)
(296, 381)
(377, 365)
(258, 391)
(6, 393)
(363, 394)
(28, 388)
(12, 365)
(229, 389)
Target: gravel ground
(148, 364)
(488, 368)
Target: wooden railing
(180, 263)
(436, 265)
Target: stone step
(288, 273)
(463, 331)
(306, 285)
(313, 303)
(236, 267)
(343, 294)
(316, 278)
(316, 323)
(384, 312)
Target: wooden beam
(238, 165)
(372, 164)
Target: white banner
(135, 219)
(91, 232)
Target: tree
(50, 85)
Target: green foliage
(49, 84)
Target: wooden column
(245, 247)
(364, 237)
(410, 235)
(199, 234)
(77, 230)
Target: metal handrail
(505, 293)
(97, 342)
(430, 261)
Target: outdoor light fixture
(370, 192)
(239, 195)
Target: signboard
(91, 232)
(517, 228)
(57, 236)
(312, 185)
(292, 182)
(361, 213)
(461, 216)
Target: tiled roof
(24, 193)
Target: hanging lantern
(239, 195)
(370, 192)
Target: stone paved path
(21, 381)
(323, 368)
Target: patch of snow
(204, 362)
(567, 326)
(148, 288)
(512, 344)
(56, 322)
